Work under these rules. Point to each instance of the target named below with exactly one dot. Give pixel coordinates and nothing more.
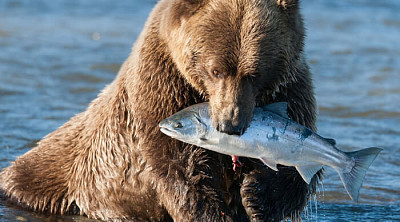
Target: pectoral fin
(269, 162)
(308, 171)
(211, 141)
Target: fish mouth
(167, 130)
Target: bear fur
(111, 161)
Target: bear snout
(232, 104)
(227, 127)
(232, 120)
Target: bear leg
(269, 195)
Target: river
(56, 56)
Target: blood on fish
(236, 163)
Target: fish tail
(353, 179)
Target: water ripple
(56, 56)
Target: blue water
(56, 56)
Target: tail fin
(362, 160)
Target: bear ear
(286, 4)
(187, 7)
(178, 10)
(193, 1)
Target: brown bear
(112, 162)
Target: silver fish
(274, 139)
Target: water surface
(56, 56)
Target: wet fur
(112, 162)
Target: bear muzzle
(232, 120)
(229, 128)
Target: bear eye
(217, 74)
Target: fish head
(185, 125)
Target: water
(55, 57)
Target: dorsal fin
(279, 108)
(331, 141)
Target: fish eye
(178, 125)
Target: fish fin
(279, 108)
(308, 171)
(210, 142)
(330, 141)
(269, 162)
(353, 179)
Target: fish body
(274, 139)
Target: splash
(310, 212)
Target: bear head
(234, 51)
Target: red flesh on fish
(236, 163)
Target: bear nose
(230, 129)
